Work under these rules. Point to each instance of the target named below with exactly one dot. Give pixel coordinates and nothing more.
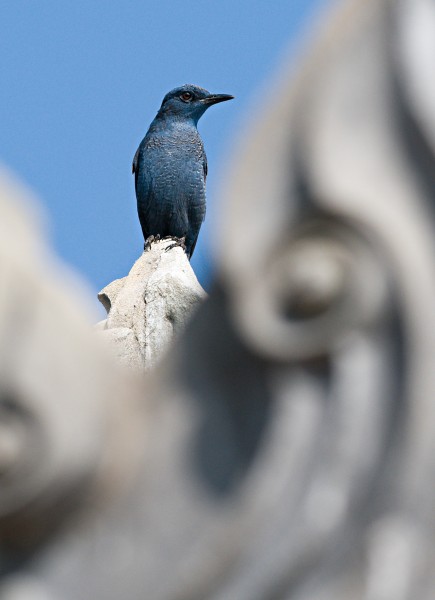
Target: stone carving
(61, 420)
(284, 444)
(150, 305)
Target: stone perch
(150, 305)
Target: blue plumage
(170, 167)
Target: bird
(170, 169)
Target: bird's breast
(180, 151)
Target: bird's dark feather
(170, 169)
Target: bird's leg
(178, 243)
(150, 239)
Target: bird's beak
(215, 98)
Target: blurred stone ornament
(286, 442)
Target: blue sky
(81, 81)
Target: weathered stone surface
(149, 306)
(59, 387)
(286, 445)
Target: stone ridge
(150, 305)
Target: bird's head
(189, 101)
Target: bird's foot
(178, 243)
(150, 239)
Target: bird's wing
(135, 166)
(135, 161)
(205, 166)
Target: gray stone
(284, 448)
(149, 306)
(58, 384)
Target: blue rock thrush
(170, 168)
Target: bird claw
(150, 239)
(178, 243)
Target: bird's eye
(186, 96)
